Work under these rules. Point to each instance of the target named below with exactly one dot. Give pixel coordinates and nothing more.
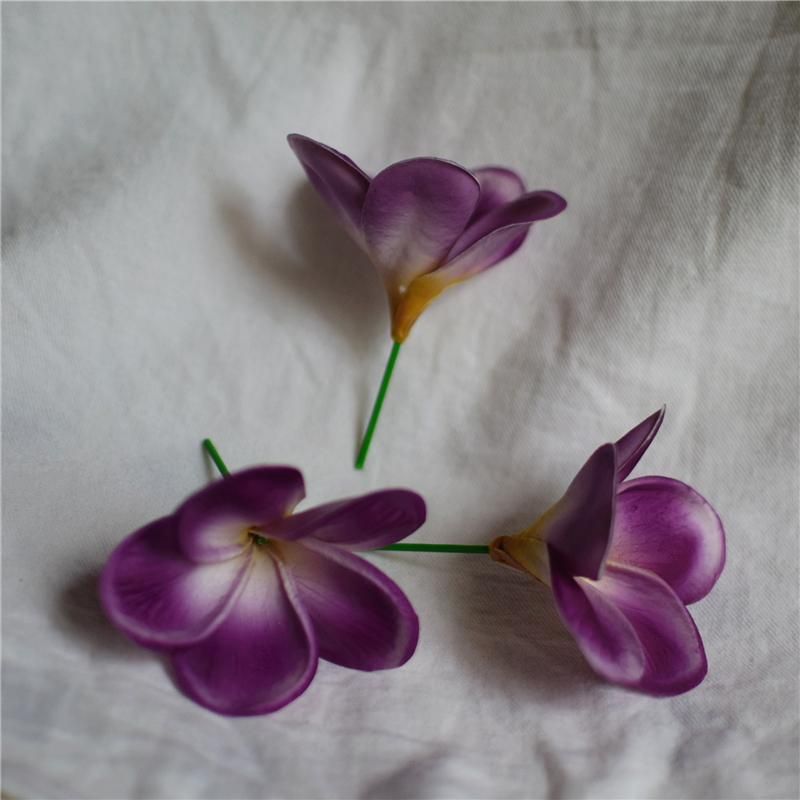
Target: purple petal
(341, 183)
(157, 597)
(633, 445)
(361, 523)
(213, 524)
(413, 213)
(499, 186)
(665, 655)
(606, 638)
(498, 234)
(361, 618)
(261, 657)
(578, 527)
(487, 241)
(666, 527)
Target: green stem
(376, 409)
(438, 548)
(212, 451)
(216, 457)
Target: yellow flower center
(527, 550)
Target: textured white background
(168, 275)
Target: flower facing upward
(244, 597)
(624, 559)
(425, 223)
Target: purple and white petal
(667, 643)
(360, 523)
(213, 524)
(605, 636)
(261, 657)
(339, 181)
(674, 653)
(633, 445)
(159, 598)
(578, 528)
(495, 236)
(413, 213)
(361, 618)
(666, 527)
(499, 186)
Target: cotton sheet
(169, 275)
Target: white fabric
(169, 275)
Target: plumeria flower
(244, 597)
(624, 559)
(426, 224)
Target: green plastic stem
(216, 457)
(438, 548)
(212, 451)
(376, 409)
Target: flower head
(245, 597)
(426, 223)
(624, 559)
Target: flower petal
(361, 618)
(666, 527)
(413, 213)
(499, 186)
(578, 528)
(495, 236)
(633, 445)
(488, 240)
(261, 657)
(341, 183)
(157, 597)
(361, 523)
(213, 523)
(606, 638)
(673, 660)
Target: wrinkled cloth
(169, 275)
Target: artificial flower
(425, 223)
(244, 597)
(624, 559)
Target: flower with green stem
(426, 224)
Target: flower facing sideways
(624, 559)
(425, 223)
(244, 597)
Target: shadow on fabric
(78, 610)
(322, 269)
(512, 636)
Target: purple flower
(426, 223)
(245, 597)
(624, 559)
